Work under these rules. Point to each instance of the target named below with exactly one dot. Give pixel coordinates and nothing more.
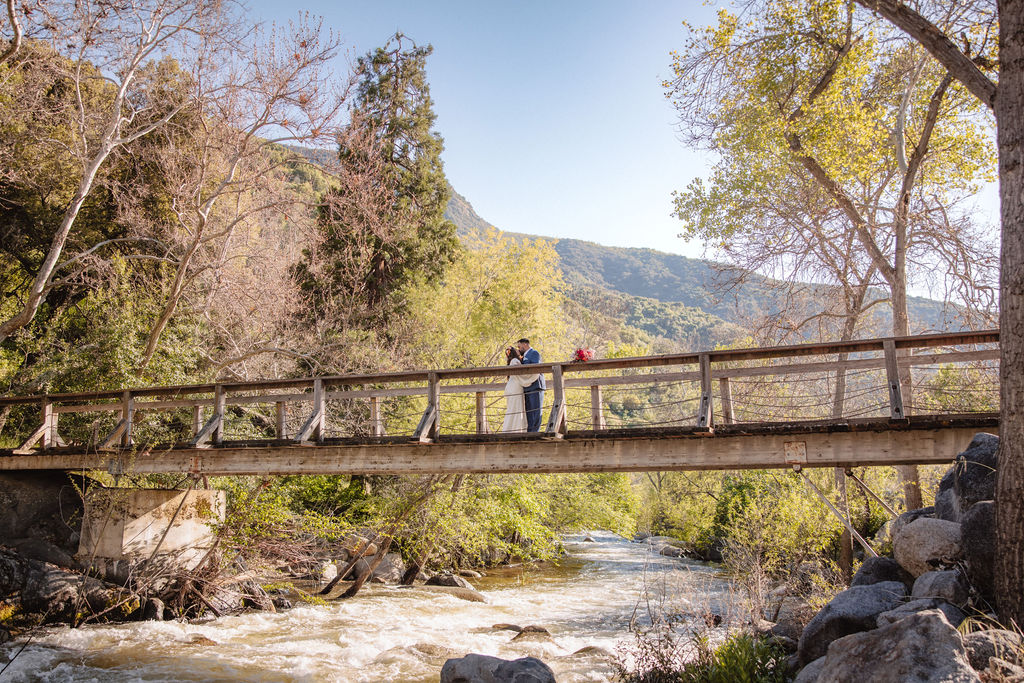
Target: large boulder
(974, 476)
(954, 615)
(947, 505)
(483, 669)
(908, 517)
(879, 569)
(981, 645)
(927, 544)
(947, 585)
(855, 609)
(978, 535)
(922, 647)
(811, 672)
(390, 569)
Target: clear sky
(553, 115)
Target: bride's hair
(510, 353)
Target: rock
(786, 629)
(811, 672)
(641, 536)
(470, 574)
(588, 539)
(483, 669)
(5, 635)
(198, 639)
(670, 551)
(855, 609)
(153, 610)
(909, 516)
(927, 544)
(57, 593)
(44, 551)
(354, 544)
(879, 569)
(534, 633)
(947, 585)
(1004, 671)
(361, 568)
(593, 651)
(983, 645)
(328, 570)
(449, 580)
(947, 506)
(281, 603)
(953, 614)
(974, 479)
(457, 592)
(921, 647)
(507, 627)
(978, 535)
(391, 568)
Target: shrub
(662, 656)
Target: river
(389, 633)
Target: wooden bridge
(891, 401)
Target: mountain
(683, 301)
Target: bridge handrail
(719, 356)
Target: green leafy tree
(382, 226)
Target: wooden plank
(481, 413)
(313, 428)
(26, 446)
(570, 454)
(705, 417)
(127, 417)
(725, 392)
(429, 427)
(114, 436)
(892, 374)
(557, 422)
(281, 414)
(596, 407)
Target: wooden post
(557, 422)
(892, 374)
(320, 430)
(281, 412)
(429, 427)
(481, 413)
(725, 392)
(705, 419)
(376, 425)
(596, 407)
(197, 419)
(218, 413)
(48, 438)
(127, 414)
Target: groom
(533, 394)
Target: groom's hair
(524, 340)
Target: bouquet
(583, 355)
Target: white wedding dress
(515, 401)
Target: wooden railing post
(197, 419)
(376, 425)
(892, 373)
(219, 408)
(281, 413)
(429, 427)
(596, 407)
(725, 392)
(128, 415)
(48, 438)
(557, 422)
(481, 413)
(705, 420)
(314, 428)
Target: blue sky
(553, 114)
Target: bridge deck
(724, 409)
(925, 440)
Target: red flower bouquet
(583, 355)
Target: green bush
(661, 656)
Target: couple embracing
(524, 394)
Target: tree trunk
(1009, 574)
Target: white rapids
(397, 634)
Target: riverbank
(586, 601)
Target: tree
(769, 95)
(383, 225)
(973, 65)
(112, 44)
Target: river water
(389, 633)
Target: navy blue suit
(533, 394)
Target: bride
(515, 402)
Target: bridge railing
(875, 379)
